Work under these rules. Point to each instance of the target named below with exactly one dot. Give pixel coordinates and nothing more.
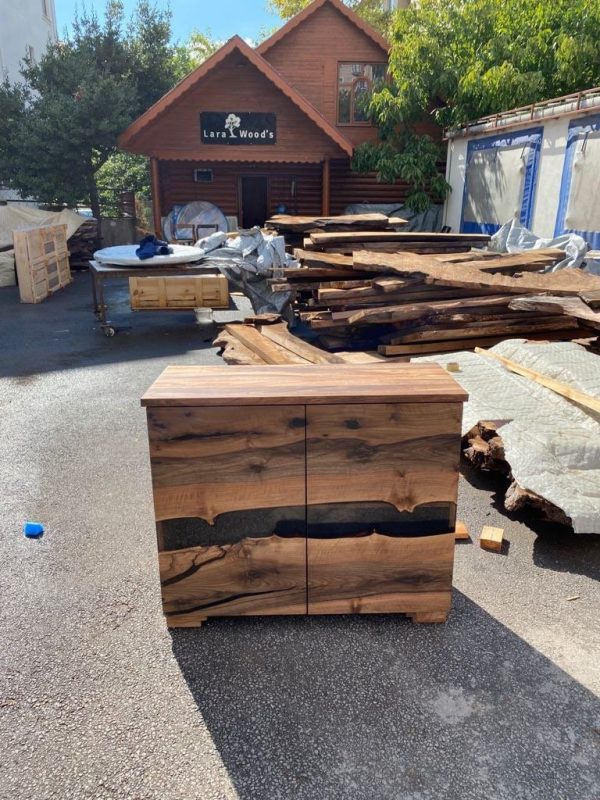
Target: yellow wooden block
(491, 538)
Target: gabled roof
(309, 10)
(191, 80)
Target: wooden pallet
(42, 261)
(179, 291)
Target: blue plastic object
(33, 530)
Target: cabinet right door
(381, 503)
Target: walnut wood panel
(406, 455)
(376, 574)
(253, 576)
(303, 384)
(209, 461)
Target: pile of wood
(83, 243)
(294, 228)
(265, 339)
(408, 303)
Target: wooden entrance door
(254, 197)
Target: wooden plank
(404, 455)
(572, 306)
(300, 224)
(498, 327)
(396, 236)
(42, 261)
(398, 313)
(491, 538)
(206, 462)
(581, 398)
(178, 291)
(376, 574)
(563, 282)
(591, 298)
(253, 576)
(263, 347)
(234, 352)
(305, 385)
(280, 334)
(456, 345)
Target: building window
(355, 84)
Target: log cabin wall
(178, 185)
(308, 59)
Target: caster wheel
(108, 331)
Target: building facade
(26, 28)
(254, 130)
(539, 165)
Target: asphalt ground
(99, 700)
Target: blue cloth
(150, 246)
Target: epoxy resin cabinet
(305, 490)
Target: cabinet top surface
(306, 385)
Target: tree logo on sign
(231, 123)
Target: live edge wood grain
(318, 384)
(253, 576)
(208, 461)
(377, 574)
(405, 454)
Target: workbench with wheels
(101, 273)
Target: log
(571, 306)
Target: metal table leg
(107, 328)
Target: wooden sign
(238, 128)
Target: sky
(223, 18)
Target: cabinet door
(229, 497)
(381, 501)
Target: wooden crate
(179, 291)
(326, 489)
(42, 261)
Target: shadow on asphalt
(63, 333)
(377, 707)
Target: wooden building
(254, 129)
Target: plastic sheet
(513, 237)
(551, 443)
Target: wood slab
(563, 282)
(254, 576)
(376, 574)
(205, 462)
(404, 455)
(306, 385)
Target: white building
(539, 165)
(26, 27)
(391, 5)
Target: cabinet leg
(429, 616)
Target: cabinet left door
(229, 499)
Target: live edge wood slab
(326, 489)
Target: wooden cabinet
(179, 291)
(305, 489)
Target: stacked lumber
(382, 241)
(406, 304)
(83, 243)
(265, 339)
(295, 227)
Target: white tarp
(17, 217)
(7, 268)
(512, 237)
(551, 444)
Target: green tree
(371, 10)
(59, 125)
(456, 60)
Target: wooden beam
(326, 188)
(583, 399)
(491, 538)
(155, 188)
